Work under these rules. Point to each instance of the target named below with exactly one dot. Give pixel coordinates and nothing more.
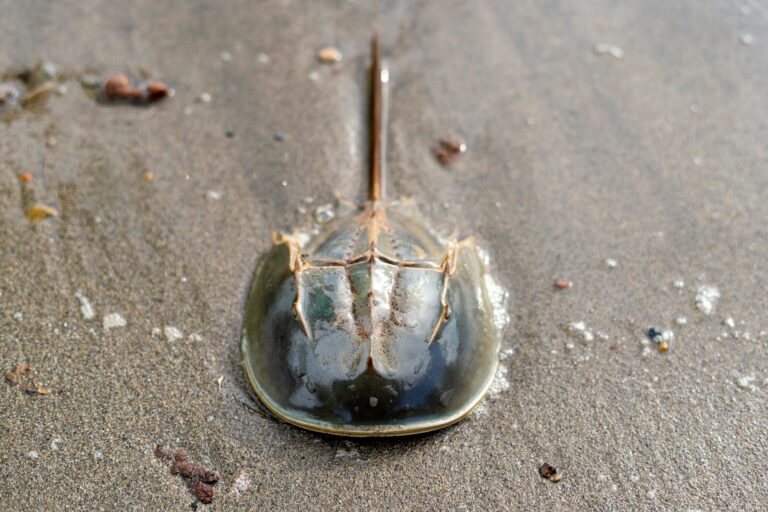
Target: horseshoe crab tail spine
(378, 131)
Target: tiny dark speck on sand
(199, 480)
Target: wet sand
(656, 159)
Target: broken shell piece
(38, 212)
(38, 93)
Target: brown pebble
(157, 91)
(449, 150)
(663, 346)
(116, 86)
(25, 177)
(549, 472)
(149, 176)
(562, 285)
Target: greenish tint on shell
(357, 351)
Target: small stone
(97, 455)
(90, 81)
(729, 322)
(149, 176)
(25, 177)
(373, 401)
(86, 309)
(679, 283)
(681, 320)
(172, 333)
(38, 212)
(213, 195)
(610, 50)
(653, 333)
(204, 98)
(33, 455)
(43, 72)
(611, 263)
(747, 39)
(226, 56)
(549, 472)
(562, 285)
(329, 55)
(747, 382)
(706, 298)
(263, 58)
(324, 213)
(18, 316)
(113, 320)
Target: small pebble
(263, 58)
(609, 49)
(204, 98)
(98, 455)
(113, 320)
(747, 39)
(329, 55)
(706, 298)
(729, 322)
(373, 401)
(226, 56)
(681, 320)
(611, 263)
(679, 283)
(33, 455)
(25, 177)
(38, 212)
(562, 285)
(549, 472)
(172, 333)
(86, 309)
(213, 195)
(747, 382)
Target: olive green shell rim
(389, 431)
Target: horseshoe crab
(375, 326)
